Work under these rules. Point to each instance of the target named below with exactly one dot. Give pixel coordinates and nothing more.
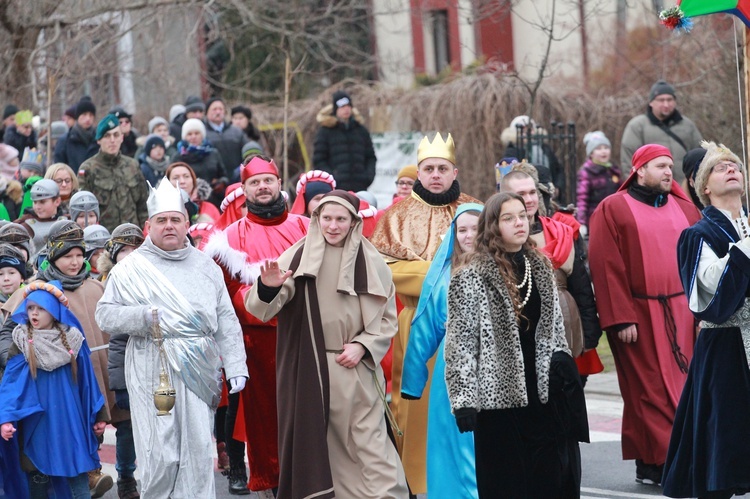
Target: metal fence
(555, 148)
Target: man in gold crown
(408, 235)
(169, 281)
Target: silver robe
(174, 452)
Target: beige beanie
(715, 154)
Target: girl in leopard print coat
(509, 372)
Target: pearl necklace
(526, 279)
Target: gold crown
(437, 149)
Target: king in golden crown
(438, 148)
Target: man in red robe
(240, 249)
(641, 302)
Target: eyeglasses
(725, 165)
(511, 219)
(63, 181)
(124, 121)
(404, 183)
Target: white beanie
(175, 111)
(594, 140)
(193, 124)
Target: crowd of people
(437, 346)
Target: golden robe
(408, 236)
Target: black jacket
(20, 142)
(129, 145)
(72, 149)
(344, 150)
(228, 143)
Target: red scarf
(559, 239)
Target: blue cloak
(708, 449)
(55, 416)
(451, 471)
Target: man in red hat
(641, 302)
(240, 249)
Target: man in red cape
(240, 249)
(641, 302)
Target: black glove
(122, 399)
(406, 396)
(466, 419)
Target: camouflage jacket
(119, 185)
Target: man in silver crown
(168, 278)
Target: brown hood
(328, 120)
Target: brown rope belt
(670, 326)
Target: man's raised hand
(272, 276)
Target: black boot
(238, 480)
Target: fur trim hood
(234, 261)
(14, 191)
(104, 263)
(328, 120)
(202, 189)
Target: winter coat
(175, 128)
(19, 141)
(483, 359)
(118, 184)
(72, 149)
(152, 176)
(228, 143)
(344, 150)
(595, 182)
(210, 168)
(648, 129)
(129, 144)
(11, 196)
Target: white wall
(392, 24)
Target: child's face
(157, 153)
(10, 280)
(38, 317)
(601, 154)
(46, 208)
(71, 262)
(95, 257)
(86, 218)
(162, 131)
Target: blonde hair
(31, 355)
(56, 167)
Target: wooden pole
(746, 72)
(287, 85)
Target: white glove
(584, 231)
(149, 316)
(237, 383)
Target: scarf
(266, 211)
(48, 346)
(86, 135)
(442, 199)
(69, 283)
(607, 164)
(159, 167)
(647, 195)
(197, 151)
(148, 246)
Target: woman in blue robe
(54, 412)
(709, 451)
(450, 455)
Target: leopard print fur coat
(484, 366)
